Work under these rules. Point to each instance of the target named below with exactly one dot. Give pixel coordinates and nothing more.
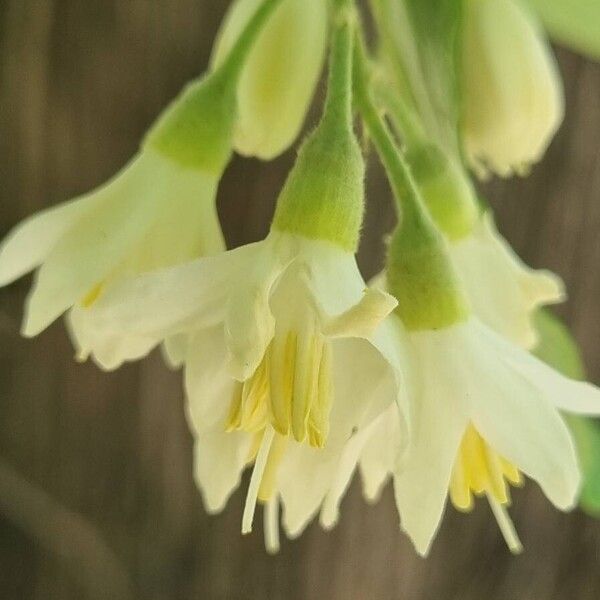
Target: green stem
(409, 204)
(337, 112)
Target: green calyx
(323, 197)
(196, 130)
(446, 190)
(421, 277)
(420, 273)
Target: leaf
(575, 23)
(558, 349)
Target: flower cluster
(295, 367)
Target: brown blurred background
(96, 494)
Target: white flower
(503, 291)
(484, 413)
(276, 331)
(512, 92)
(152, 214)
(280, 75)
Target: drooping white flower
(154, 213)
(503, 291)
(280, 75)
(275, 332)
(485, 414)
(512, 92)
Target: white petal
(560, 391)
(87, 253)
(380, 454)
(517, 419)
(249, 322)
(174, 350)
(440, 419)
(172, 300)
(304, 476)
(109, 352)
(209, 388)
(504, 292)
(219, 460)
(362, 319)
(30, 242)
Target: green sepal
(446, 190)
(421, 277)
(557, 348)
(196, 130)
(575, 23)
(323, 197)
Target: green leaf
(575, 23)
(558, 349)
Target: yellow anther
(479, 470)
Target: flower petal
(514, 415)
(439, 420)
(219, 461)
(30, 242)
(209, 388)
(86, 254)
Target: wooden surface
(96, 496)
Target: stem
(234, 63)
(409, 204)
(337, 112)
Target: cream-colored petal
(174, 350)
(304, 476)
(30, 242)
(515, 416)
(439, 420)
(173, 300)
(560, 391)
(219, 461)
(109, 352)
(380, 454)
(209, 388)
(87, 253)
(504, 292)
(249, 321)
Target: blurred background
(96, 493)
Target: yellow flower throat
(479, 471)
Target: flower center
(479, 470)
(291, 390)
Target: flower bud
(446, 190)
(280, 75)
(512, 92)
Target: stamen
(480, 470)
(507, 527)
(268, 485)
(255, 480)
(271, 525)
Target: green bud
(446, 190)
(323, 197)
(196, 130)
(422, 278)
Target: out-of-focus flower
(503, 291)
(279, 78)
(512, 92)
